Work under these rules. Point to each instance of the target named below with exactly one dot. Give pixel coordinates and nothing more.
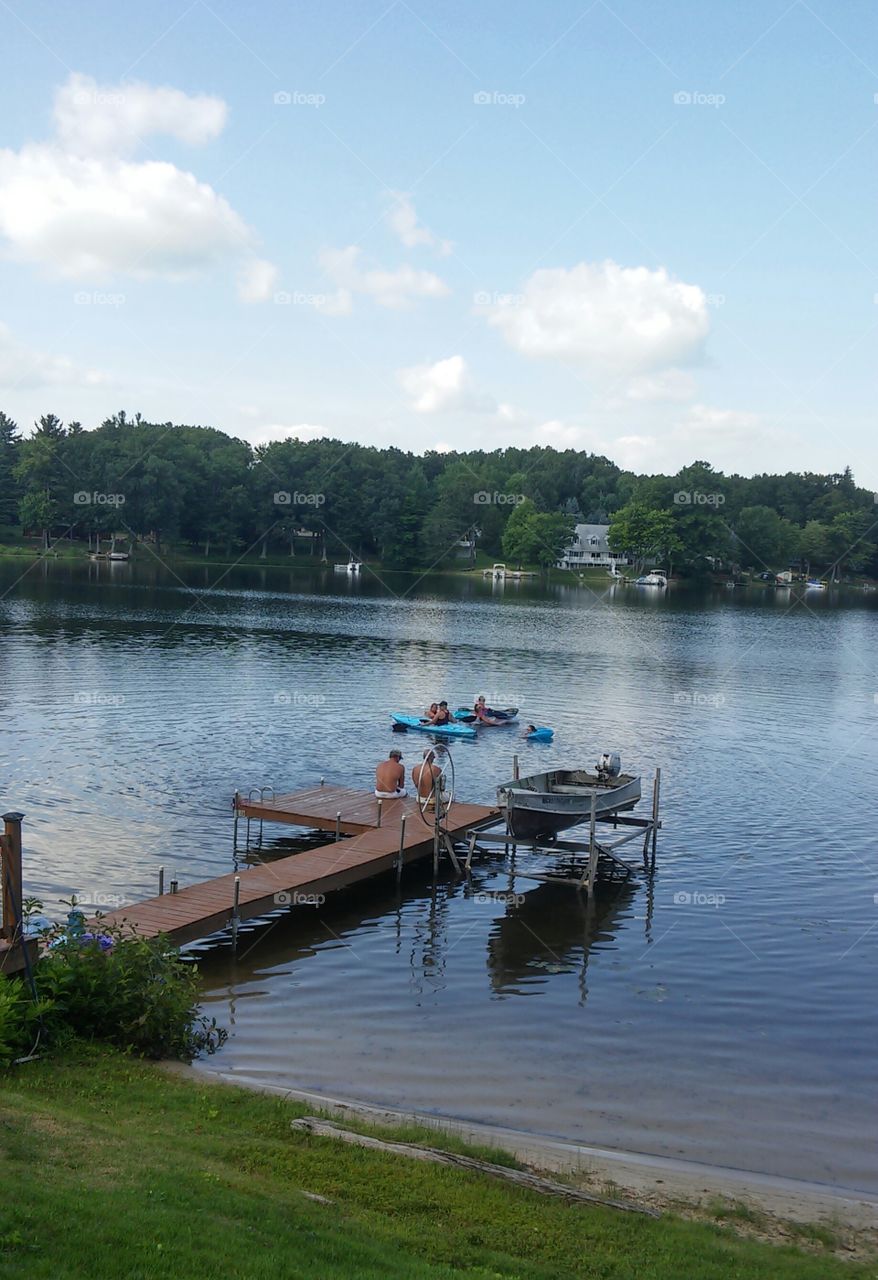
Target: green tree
(643, 533)
(10, 443)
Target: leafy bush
(132, 992)
(135, 993)
(19, 1020)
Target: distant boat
(655, 578)
(543, 804)
(352, 566)
(119, 555)
(814, 584)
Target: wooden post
(235, 912)
(515, 773)
(401, 849)
(11, 860)
(592, 847)
(380, 802)
(656, 794)
(338, 825)
(161, 881)
(174, 883)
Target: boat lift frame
(592, 852)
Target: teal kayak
(440, 730)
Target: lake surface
(724, 1013)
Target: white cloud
(256, 280)
(704, 423)
(404, 222)
(609, 320)
(73, 207)
(669, 385)
(25, 368)
(95, 119)
(444, 386)
(394, 289)
(268, 432)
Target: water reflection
(550, 930)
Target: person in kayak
(424, 777)
(390, 777)
(441, 715)
(431, 711)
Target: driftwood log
(519, 1177)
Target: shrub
(135, 993)
(19, 1020)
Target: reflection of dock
(548, 930)
(383, 836)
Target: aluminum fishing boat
(542, 804)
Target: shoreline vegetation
(129, 481)
(75, 551)
(140, 1171)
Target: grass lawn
(112, 1168)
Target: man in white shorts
(390, 777)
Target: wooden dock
(197, 910)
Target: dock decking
(203, 908)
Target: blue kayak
(541, 734)
(440, 730)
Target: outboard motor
(609, 765)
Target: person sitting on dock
(390, 777)
(424, 777)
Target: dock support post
(656, 795)
(401, 849)
(380, 802)
(161, 881)
(593, 853)
(11, 863)
(515, 773)
(174, 883)
(338, 825)
(235, 913)
(235, 826)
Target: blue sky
(646, 230)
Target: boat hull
(543, 804)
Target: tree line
(176, 484)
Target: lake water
(725, 1013)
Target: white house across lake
(590, 549)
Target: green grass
(114, 1168)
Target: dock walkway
(203, 908)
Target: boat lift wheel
(443, 785)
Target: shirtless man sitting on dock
(390, 777)
(424, 776)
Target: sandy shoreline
(656, 1179)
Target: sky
(642, 229)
